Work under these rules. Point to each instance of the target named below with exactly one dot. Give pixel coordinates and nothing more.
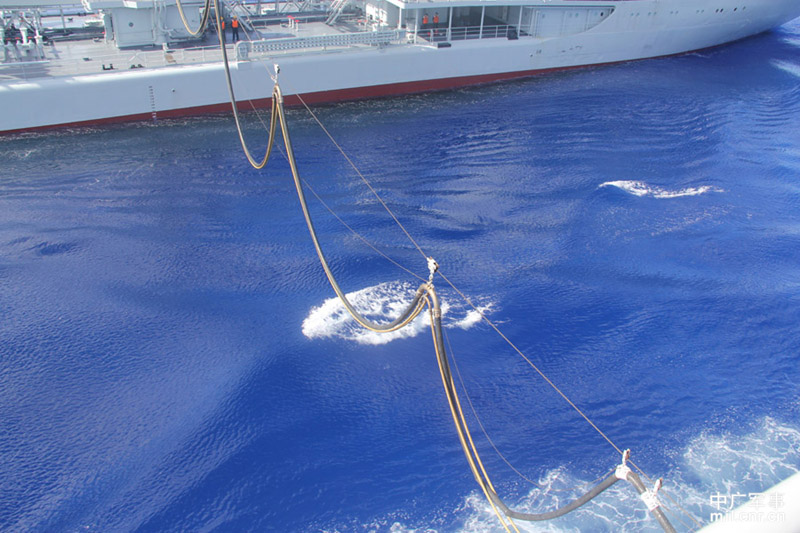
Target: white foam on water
(788, 67)
(640, 188)
(472, 317)
(749, 463)
(381, 303)
(712, 470)
(792, 41)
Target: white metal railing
(246, 49)
(461, 33)
(121, 60)
(18, 68)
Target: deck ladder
(336, 9)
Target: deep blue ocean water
(169, 362)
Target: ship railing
(122, 60)
(248, 49)
(462, 33)
(110, 62)
(487, 32)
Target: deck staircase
(235, 7)
(337, 7)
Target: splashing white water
(381, 303)
(640, 188)
(713, 465)
(721, 465)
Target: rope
(492, 444)
(543, 376)
(473, 456)
(360, 175)
(420, 300)
(483, 316)
(425, 296)
(358, 235)
(558, 390)
(416, 304)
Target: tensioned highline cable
(360, 175)
(426, 295)
(469, 302)
(491, 442)
(337, 217)
(559, 391)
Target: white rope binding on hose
(433, 266)
(425, 296)
(623, 470)
(650, 496)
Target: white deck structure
(390, 47)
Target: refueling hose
(426, 295)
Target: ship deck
(95, 56)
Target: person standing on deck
(235, 26)
(222, 31)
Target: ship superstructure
(347, 50)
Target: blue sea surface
(170, 359)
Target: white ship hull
(634, 29)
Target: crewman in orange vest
(222, 30)
(436, 20)
(425, 19)
(235, 26)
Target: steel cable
(420, 300)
